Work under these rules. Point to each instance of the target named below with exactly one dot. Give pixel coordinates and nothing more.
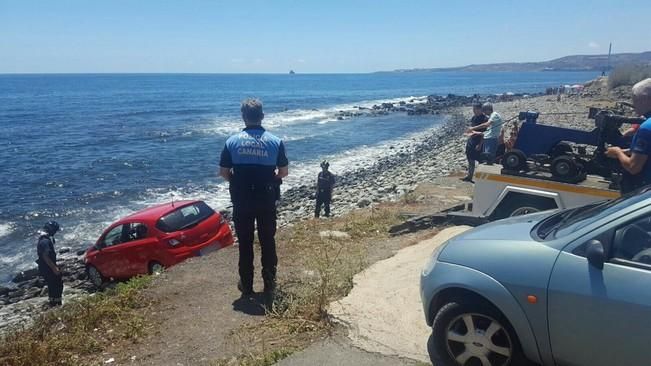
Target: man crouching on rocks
(47, 259)
(253, 162)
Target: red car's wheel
(94, 276)
(155, 268)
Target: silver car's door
(603, 317)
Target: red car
(155, 238)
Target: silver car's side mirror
(595, 254)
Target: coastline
(438, 151)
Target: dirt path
(383, 312)
(198, 306)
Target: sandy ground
(383, 312)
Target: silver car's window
(632, 242)
(588, 214)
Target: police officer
(47, 259)
(324, 185)
(636, 162)
(253, 161)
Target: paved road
(336, 351)
(383, 311)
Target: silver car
(569, 287)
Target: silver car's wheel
(477, 339)
(94, 276)
(473, 333)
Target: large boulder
(27, 275)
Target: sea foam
(6, 229)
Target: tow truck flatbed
(498, 194)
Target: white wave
(228, 126)
(358, 158)
(6, 229)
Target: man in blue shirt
(253, 162)
(637, 163)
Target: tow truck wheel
(564, 168)
(514, 160)
(562, 148)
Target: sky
(308, 36)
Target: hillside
(567, 63)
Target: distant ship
(291, 72)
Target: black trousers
(54, 284)
(323, 199)
(245, 220)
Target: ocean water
(86, 150)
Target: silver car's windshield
(570, 220)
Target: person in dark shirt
(324, 185)
(253, 162)
(47, 259)
(473, 145)
(635, 162)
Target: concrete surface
(335, 352)
(383, 312)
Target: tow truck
(497, 195)
(545, 171)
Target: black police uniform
(325, 182)
(472, 145)
(253, 155)
(45, 248)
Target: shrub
(79, 329)
(628, 75)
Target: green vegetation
(628, 75)
(74, 333)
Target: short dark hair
(252, 110)
(477, 106)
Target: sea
(88, 149)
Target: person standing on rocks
(324, 185)
(253, 162)
(636, 163)
(473, 145)
(493, 128)
(47, 259)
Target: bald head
(642, 97)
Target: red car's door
(108, 260)
(139, 251)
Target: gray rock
(333, 234)
(16, 294)
(25, 275)
(364, 202)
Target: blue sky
(308, 35)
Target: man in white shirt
(493, 130)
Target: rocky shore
(433, 153)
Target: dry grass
(628, 75)
(72, 334)
(319, 271)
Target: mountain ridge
(566, 63)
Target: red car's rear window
(184, 217)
